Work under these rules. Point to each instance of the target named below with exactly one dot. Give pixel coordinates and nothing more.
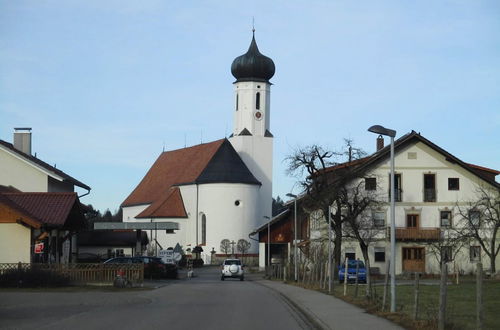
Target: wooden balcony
(418, 234)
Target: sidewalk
(327, 311)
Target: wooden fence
(85, 273)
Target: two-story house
(432, 188)
(38, 206)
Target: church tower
(252, 137)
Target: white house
(37, 205)
(217, 190)
(431, 185)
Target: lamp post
(268, 244)
(295, 235)
(392, 133)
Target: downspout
(197, 197)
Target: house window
(412, 155)
(379, 254)
(412, 220)
(474, 218)
(446, 253)
(429, 187)
(350, 255)
(378, 219)
(203, 229)
(398, 196)
(257, 101)
(370, 183)
(475, 253)
(445, 217)
(453, 184)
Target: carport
(138, 227)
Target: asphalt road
(201, 302)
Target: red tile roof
(172, 167)
(171, 206)
(52, 209)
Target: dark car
(351, 271)
(154, 267)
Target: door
(414, 259)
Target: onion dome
(253, 66)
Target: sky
(107, 85)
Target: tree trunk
(364, 251)
(337, 252)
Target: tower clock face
(258, 115)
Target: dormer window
(257, 101)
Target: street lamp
(295, 235)
(268, 244)
(377, 129)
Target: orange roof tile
(171, 168)
(171, 206)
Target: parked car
(232, 268)
(351, 271)
(154, 267)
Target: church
(221, 189)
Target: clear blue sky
(106, 84)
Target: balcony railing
(429, 195)
(398, 196)
(418, 234)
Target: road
(200, 302)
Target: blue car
(351, 271)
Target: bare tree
(321, 178)
(243, 246)
(357, 204)
(225, 246)
(480, 221)
(448, 246)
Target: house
(99, 245)
(38, 205)
(39, 227)
(431, 187)
(221, 189)
(20, 169)
(278, 235)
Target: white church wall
(232, 212)
(129, 213)
(245, 116)
(256, 152)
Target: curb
(304, 315)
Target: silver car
(232, 268)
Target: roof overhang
(137, 225)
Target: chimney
(380, 142)
(22, 139)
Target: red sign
(39, 248)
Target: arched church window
(203, 229)
(237, 101)
(257, 101)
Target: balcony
(418, 234)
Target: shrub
(33, 277)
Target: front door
(414, 259)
